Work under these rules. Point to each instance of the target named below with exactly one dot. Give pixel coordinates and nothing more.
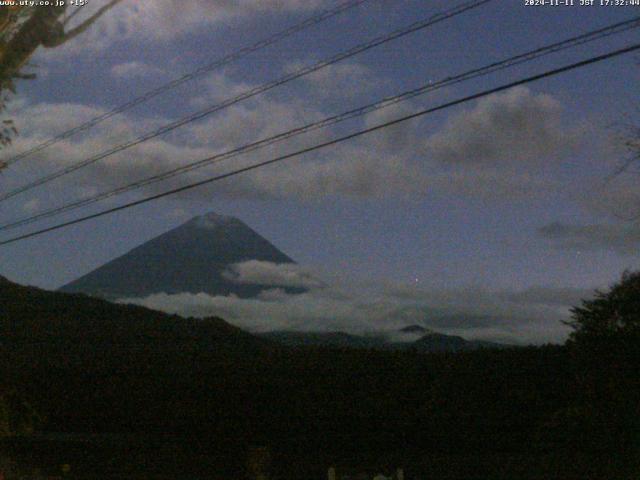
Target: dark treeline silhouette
(116, 389)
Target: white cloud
(623, 238)
(135, 69)
(32, 205)
(169, 19)
(43, 120)
(258, 272)
(479, 306)
(528, 316)
(518, 131)
(515, 127)
(548, 296)
(272, 311)
(339, 79)
(152, 20)
(615, 197)
(398, 161)
(609, 193)
(178, 214)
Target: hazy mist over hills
(220, 257)
(216, 265)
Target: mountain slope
(29, 315)
(90, 365)
(190, 258)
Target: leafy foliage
(24, 29)
(605, 353)
(610, 315)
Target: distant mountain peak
(192, 258)
(428, 342)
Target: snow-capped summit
(214, 220)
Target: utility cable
(332, 120)
(226, 60)
(414, 27)
(335, 141)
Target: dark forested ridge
(202, 392)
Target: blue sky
(498, 198)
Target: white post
(331, 474)
(400, 474)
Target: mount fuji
(192, 258)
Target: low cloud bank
(258, 272)
(623, 238)
(521, 317)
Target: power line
(226, 60)
(431, 86)
(335, 141)
(414, 27)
